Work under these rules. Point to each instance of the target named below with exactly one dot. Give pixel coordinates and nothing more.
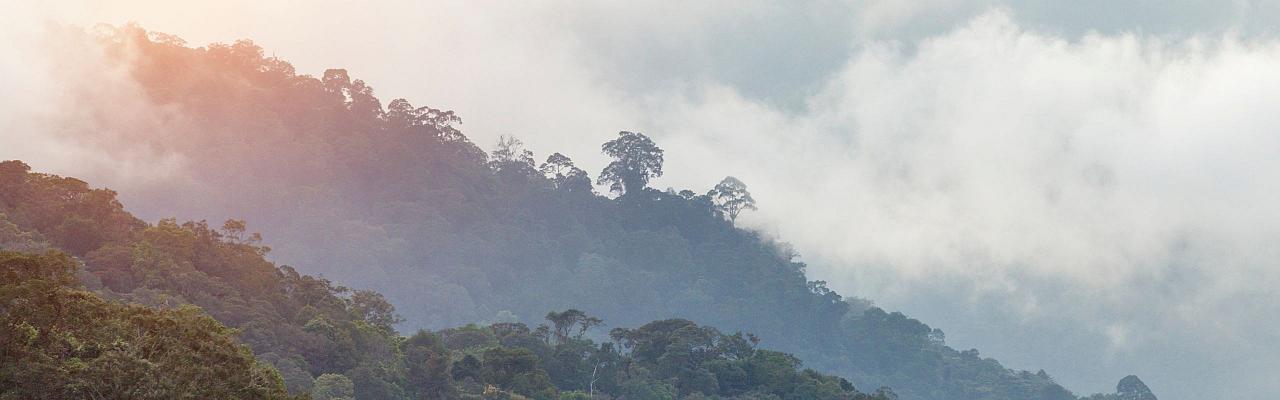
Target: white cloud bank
(1122, 188)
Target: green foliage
(515, 370)
(13, 238)
(58, 342)
(701, 361)
(574, 395)
(372, 308)
(399, 200)
(72, 216)
(302, 325)
(636, 160)
(641, 389)
(1129, 388)
(73, 341)
(564, 175)
(428, 365)
(333, 387)
(661, 360)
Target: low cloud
(1116, 186)
(68, 108)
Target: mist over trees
(731, 198)
(399, 200)
(67, 334)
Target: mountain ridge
(400, 200)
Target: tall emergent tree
(511, 156)
(730, 197)
(635, 160)
(565, 175)
(565, 322)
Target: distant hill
(62, 341)
(397, 199)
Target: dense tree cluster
(1129, 388)
(398, 199)
(666, 359)
(66, 211)
(63, 341)
(304, 326)
(58, 341)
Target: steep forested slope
(304, 326)
(59, 340)
(398, 199)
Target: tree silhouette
(567, 320)
(561, 171)
(730, 197)
(510, 156)
(636, 159)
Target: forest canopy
(309, 335)
(397, 199)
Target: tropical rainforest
(107, 306)
(467, 249)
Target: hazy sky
(1087, 187)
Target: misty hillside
(396, 198)
(68, 334)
